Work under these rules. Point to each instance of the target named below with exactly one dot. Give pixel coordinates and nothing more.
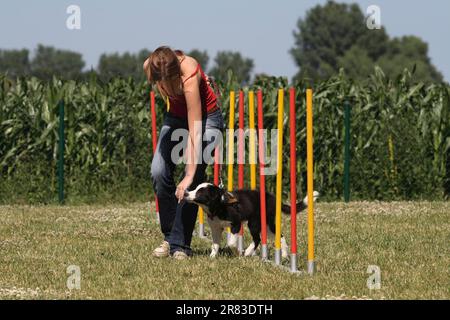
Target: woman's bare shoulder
(188, 66)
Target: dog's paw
(250, 251)
(250, 254)
(316, 195)
(214, 251)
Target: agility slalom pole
(201, 214)
(310, 177)
(201, 223)
(216, 166)
(293, 181)
(231, 142)
(262, 178)
(154, 141)
(230, 149)
(279, 177)
(241, 146)
(252, 141)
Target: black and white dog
(230, 209)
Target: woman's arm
(194, 114)
(194, 145)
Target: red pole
(154, 139)
(241, 142)
(241, 158)
(293, 173)
(262, 179)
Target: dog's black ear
(228, 198)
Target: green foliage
(14, 62)
(326, 33)
(412, 53)
(334, 36)
(357, 63)
(122, 65)
(107, 137)
(49, 62)
(234, 61)
(416, 117)
(108, 142)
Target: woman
(193, 106)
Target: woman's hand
(182, 187)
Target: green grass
(112, 245)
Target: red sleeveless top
(178, 106)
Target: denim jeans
(177, 220)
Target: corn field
(400, 138)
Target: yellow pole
(231, 142)
(231, 145)
(279, 177)
(310, 177)
(252, 156)
(168, 104)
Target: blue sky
(259, 29)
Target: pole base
(278, 257)
(293, 262)
(201, 230)
(241, 245)
(157, 218)
(311, 267)
(264, 252)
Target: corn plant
(400, 137)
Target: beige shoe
(180, 255)
(162, 251)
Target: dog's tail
(302, 205)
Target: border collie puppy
(230, 209)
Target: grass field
(112, 245)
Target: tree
(123, 65)
(15, 63)
(375, 42)
(49, 62)
(229, 60)
(412, 53)
(326, 34)
(201, 57)
(335, 36)
(357, 63)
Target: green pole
(347, 152)
(61, 153)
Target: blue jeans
(177, 220)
